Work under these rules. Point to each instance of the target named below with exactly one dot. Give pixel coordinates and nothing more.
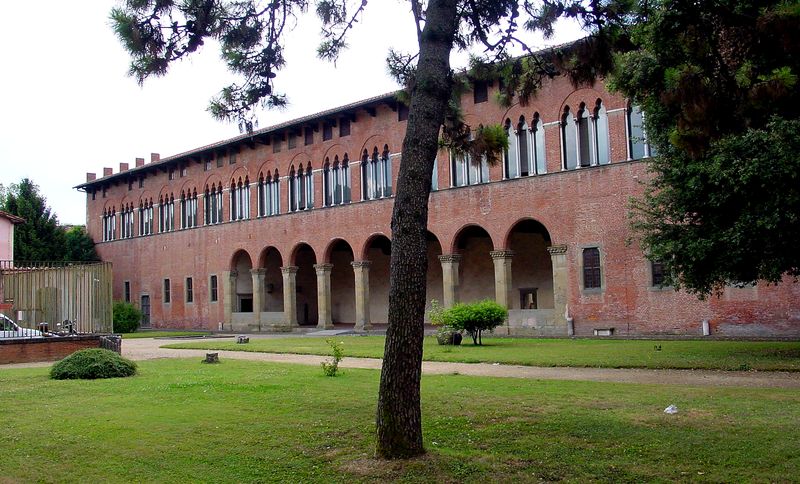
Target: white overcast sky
(69, 107)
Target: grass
(240, 421)
(147, 333)
(721, 355)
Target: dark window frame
(189, 290)
(592, 268)
(167, 291)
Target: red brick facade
(330, 264)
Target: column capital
(361, 264)
(233, 274)
(289, 269)
(557, 249)
(258, 272)
(323, 268)
(450, 258)
(502, 254)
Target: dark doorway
(145, 311)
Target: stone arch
(434, 275)
(241, 282)
(340, 255)
(476, 270)
(304, 258)
(526, 243)
(378, 250)
(270, 262)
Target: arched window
(344, 178)
(327, 183)
(522, 144)
(600, 134)
(146, 217)
(638, 144)
(261, 195)
(294, 195)
(336, 178)
(240, 199)
(465, 172)
(386, 170)
(511, 155)
(537, 149)
(275, 195)
(126, 226)
(569, 140)
(207, 214)
(367, 189)
(309, 187)
(586, 148)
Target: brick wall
(44, 349)
(580, 208)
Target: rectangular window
(402, 112)
(232, 159)
(213, 288)
(276, 145)
(167, 294)
(344, 127)
(480, 92)
(528, 298)
(657, 272)
(171, 175)
(207, 165)
(94, 195)
(327, 131)
(591, 268)
(309, 136)
(127, 291)
(189, 290)
(141, 182)
(183, 171)
(220, 161)
(292, 140)
(130, 185)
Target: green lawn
(240, 421)
(162, 334)
(724, 355)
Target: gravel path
(148, 348)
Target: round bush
(126, 317)
(92, 364)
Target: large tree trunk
(399, 418)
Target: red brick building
(289, 226)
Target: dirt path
(147, 349)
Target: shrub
(474, 318)
(126, 317)
(92, 364)
(330, 368)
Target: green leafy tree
(40, 237)
(717, 82)
(157, 33)
(475, 318)
(79, 247)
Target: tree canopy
(717, 82)
(41, 238)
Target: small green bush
(126, 317)
(330, 368)
(474, 318)
(92, 364)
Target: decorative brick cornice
(450, 258)
(557, 249)
(290, 269)
(502, 254)
(361, 264)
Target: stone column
(502, 276)
(228, 297)
(449, 279)
(361, 271)
(290, 295)
(258, 294)
(558, 255)
(324, 295)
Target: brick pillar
(449, 278)
(558, 254)
(229, 296)
(258, 294)
(361, 271)
(502, 276)
(324, 295)
(290, 295)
